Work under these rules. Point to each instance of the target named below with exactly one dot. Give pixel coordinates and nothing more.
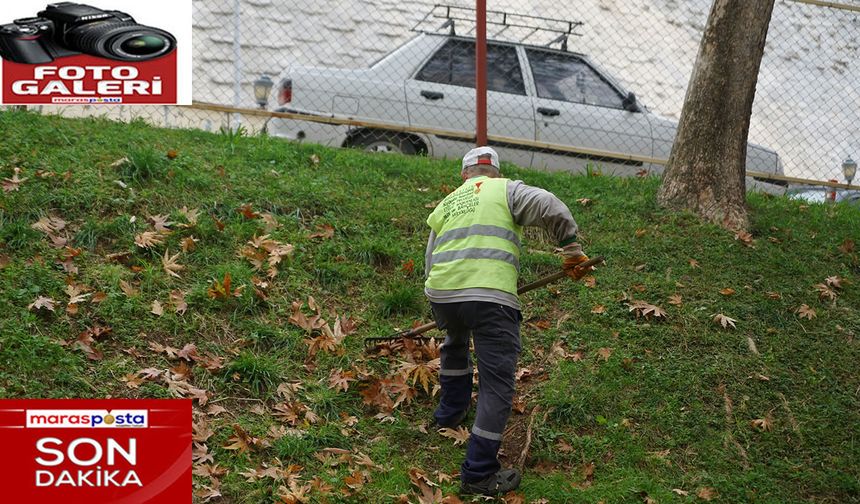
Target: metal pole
(237, 60)
(481, 73)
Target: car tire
(382, 141)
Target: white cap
(480, 156)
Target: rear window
(454, 64)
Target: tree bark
(706, 168)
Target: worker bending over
(472, 265)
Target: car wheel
(375, 141)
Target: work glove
(572, 257)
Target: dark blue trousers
(495, 330)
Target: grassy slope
(664, 387)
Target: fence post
(237, 61)
(481, 73)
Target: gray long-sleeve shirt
(529, 206)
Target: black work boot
(454, 423)
(501, 482)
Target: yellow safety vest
(477, 242)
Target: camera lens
(143, 45)
(120, 40)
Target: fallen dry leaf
(540, 324)
(159, 348)
(706, 493)
(724, 321)
(128, 289)
(49, 225)
(325, 232)
(834, 281)
(513, 497)
(157, 309)
(270, 222)
(170, 265)
(604, 353)
(177, 299)
(340, 379)
(191, 215)
(215, 410)
(188, 352)
(209, 492)
(825, 292)
(598, 309)
(675, 299)
(460, 435)
(219, 225)
(222, 289)
(188, 243)
(200, 454)
(727, 291)
(161, 223)
(847, 247)
(14, 183)
(429, 494)
(247, 211)
(148, 239)
(42, 303)
(423, 373)
(563, 446)
(762, 424)
(804, 311)
(647, 310)
(745, 238)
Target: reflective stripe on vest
(476, 253)
(477, 242)
(477, 229)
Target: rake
(416, 332)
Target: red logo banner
(118, 451)
(89, 80)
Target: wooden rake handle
(537, 284)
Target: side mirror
(630, 103)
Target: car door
(441, 95)
(575, 105)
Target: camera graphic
(68, 29)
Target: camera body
(68, 29)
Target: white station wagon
(534, 93)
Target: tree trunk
(707, 165)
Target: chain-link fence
(593, 84)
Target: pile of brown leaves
(419, 364)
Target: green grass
(651, 417)
(143, 163)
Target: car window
(567, 78)
(454, 64)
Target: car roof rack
(452, 14)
